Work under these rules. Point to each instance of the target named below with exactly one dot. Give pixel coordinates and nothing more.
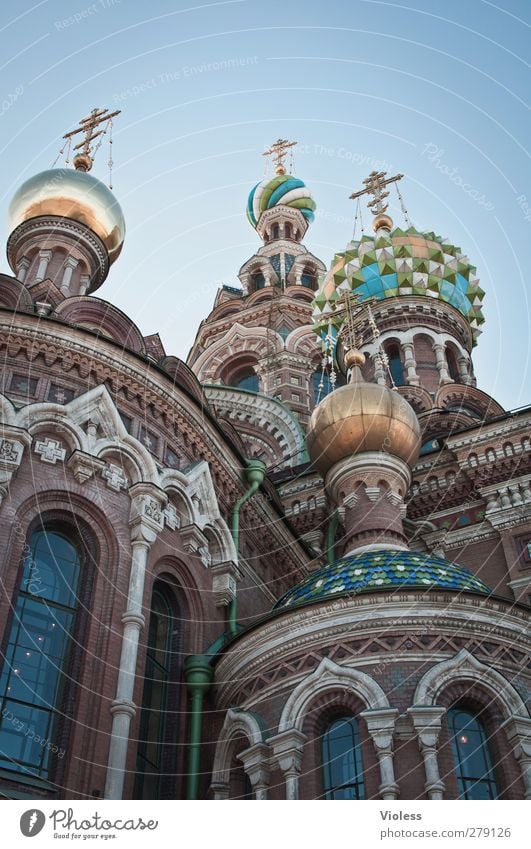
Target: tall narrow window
(342, 766)
(453, 369)
(395, 365)
(155, 757)
(258, 281)
(472, 757)
(36, 655)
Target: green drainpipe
(331, 537)
(255, 473)
(198, 674)
(198, 671)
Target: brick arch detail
(327, 677)
(465, 667)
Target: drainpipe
(255, 473)
(198, 670)
(330, 538)
(198, 674)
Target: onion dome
(382, 570)
(72, 194)
(362, 417)
(402, 262)
(280, 190)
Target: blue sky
(437, 91)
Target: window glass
(33, 672)
(342, 766)
(472, 757)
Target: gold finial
(278, 152)
(375, 184)
(83, 160)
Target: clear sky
(439, 91)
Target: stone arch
(329, 676)
(465, 667)
(237, 723)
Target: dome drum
(65, 243)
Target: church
(295, 566)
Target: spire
(375, 185)
(278, 152)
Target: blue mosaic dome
(382, 570)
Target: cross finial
(83, 160)
(353, 314)
(278, 152)
(375, 184)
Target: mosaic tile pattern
(284, 190)
(403, 262)
(380, 570)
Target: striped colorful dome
(382, 570)
(402, 262)
(283, 189)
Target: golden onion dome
(71, 194)
(362, 417)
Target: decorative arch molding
(239, 340)
(327, 677)
(237, 723)
(304, 342)
(419, 398)
(111, 321)
(452, 394)
(95, 434)
(465, 667)
(14, 295)
(262, 412)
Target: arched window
(395, 364)
(472, 757)
(246, 379)
(258, 281)
(453, 369)
(34, 674)
(275, 231)
(156, 755)
(308, 278)
(287, 231)
(341, 757)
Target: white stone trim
(329, 676)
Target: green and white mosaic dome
(391, 569)
(398, 263)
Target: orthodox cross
(89, 127)
(375, 184)
(278, 152)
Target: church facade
(297, 565)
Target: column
(462, 365)
(410, 363)
(381, 726)
(287, 751)
(145, 522)
(256, 764)
(444, 377)
(518, 730)
(219, 791)
(427, 724)
(22, 269)
(379, 371)
(44, 259)
(84, 281)
(69, 267)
